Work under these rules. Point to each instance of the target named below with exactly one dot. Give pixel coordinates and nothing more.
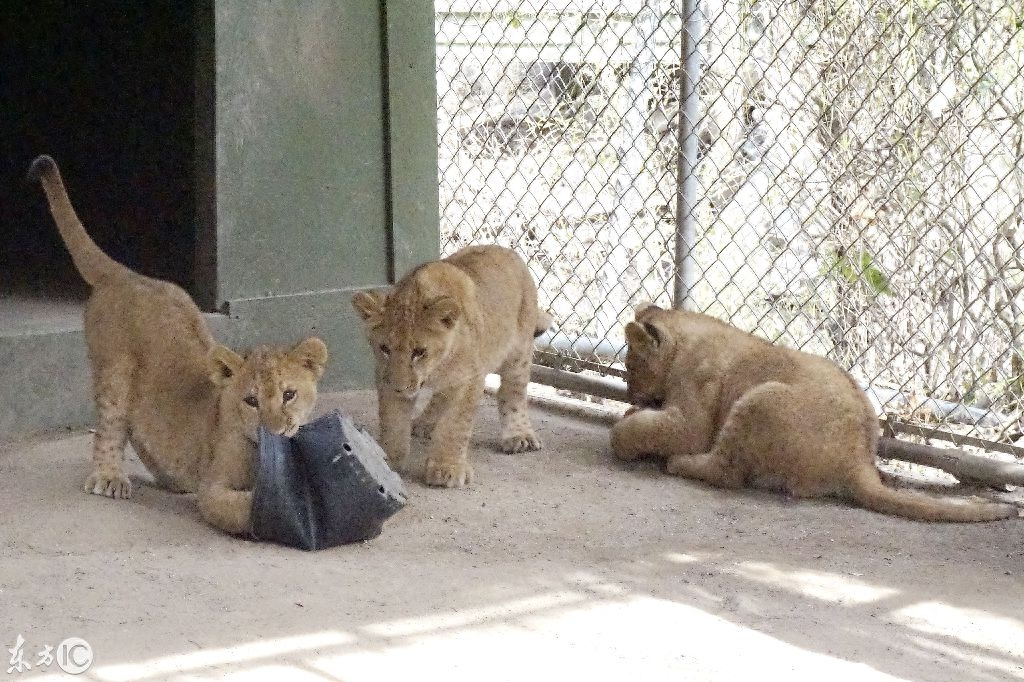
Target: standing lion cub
(730, 409)
(440, 331)
(189, 407)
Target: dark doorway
(109, 90)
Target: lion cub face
(410, 335)
(270, 386)
(647, 358)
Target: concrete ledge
(46, 382)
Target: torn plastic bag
(327, 485)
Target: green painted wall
(316, 176)
(325, 164)
(301, 166)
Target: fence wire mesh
(859, 174)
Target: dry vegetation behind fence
(860, 168)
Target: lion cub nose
(408, 392)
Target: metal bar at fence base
(686, 179)
(897, 426)
(884, 399)
(602, 387)
(964, 466)
(583, 346)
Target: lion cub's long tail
(871, 493)
(94, 265)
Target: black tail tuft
(41, 166)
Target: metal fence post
(686, 178)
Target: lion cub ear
(312, 354)
(642, 337)
(223, 363)
(369, 304)
(642, 307)
(443, 309)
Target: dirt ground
(556, 565)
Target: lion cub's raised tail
(94, 265)
(544, 323)
(872, 494)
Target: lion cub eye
(251, 401)
(385, 349)
(418, 353)
(289, 395)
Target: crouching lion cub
(440, 331)
(730, 409)
(189, 407)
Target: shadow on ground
(560, 564)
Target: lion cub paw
(621, 445)
(115, 485)
(448, 474)
(397, 464)
(677, 465)
(520, 442)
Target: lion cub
(189, 407)
(730, 409)
(440, 331)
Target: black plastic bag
(327, 485)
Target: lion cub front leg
(448, 458)
(395, 414)
(112, 390)
(225, 508)
(660, 432)
(225, 494)
(516, 433)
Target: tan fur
(441, 330)
(163, 384)
(730, 409)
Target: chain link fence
(857, 184)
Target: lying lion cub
(728, 408)
(189, 407)
(440, 331)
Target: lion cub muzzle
(410, 392)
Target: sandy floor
(557, 565)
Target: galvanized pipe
(582, 346)
(602, 387)
(686, 178)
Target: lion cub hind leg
(516, 432)
(112, 388)
(711, 467)
(447, 462)
(750, 446)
